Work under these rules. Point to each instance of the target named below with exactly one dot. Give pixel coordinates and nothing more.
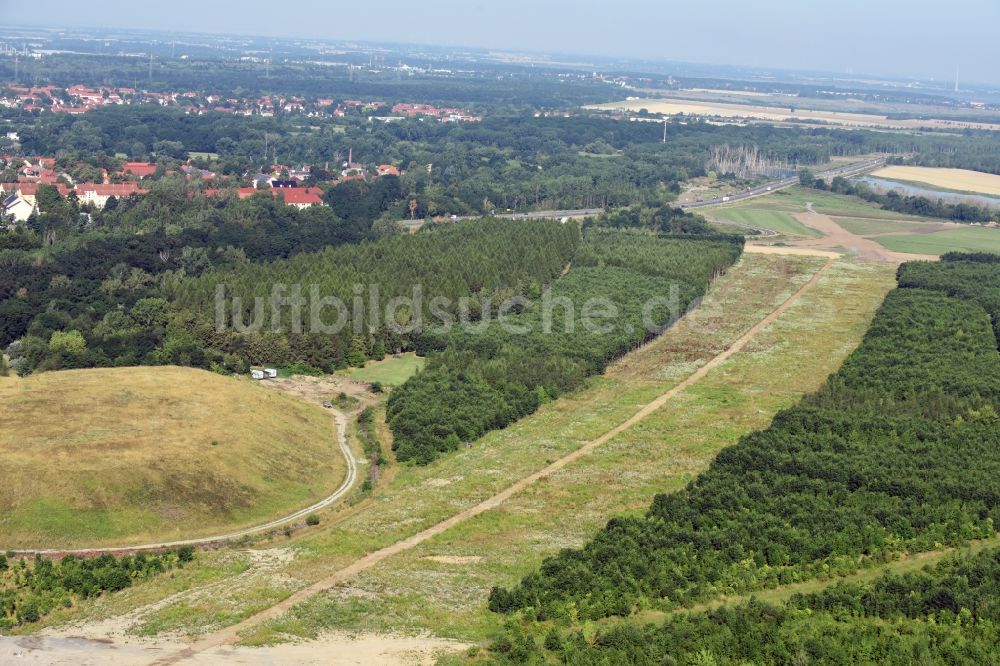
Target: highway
(767, 188)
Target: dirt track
(835, 237)
(230, 635)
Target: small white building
(17, 206)
(270, 373)
(256, 374)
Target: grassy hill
(129, 455)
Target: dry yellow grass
(126, 455)
(962, 180)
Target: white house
(18, 207)
(99, 193)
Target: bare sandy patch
(439, 482)
(836, 236)
(329, 650)
(318, 389)
(455, 559)
(800, 251)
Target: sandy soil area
(318, 389)
(454, 559)
(330, 650)
(835, 236)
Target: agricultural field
(869, 227)
(952, 180)
(153, 454)
(390, 371)
(906, 234)
(967, 239)
(795, 199)
(783, 114)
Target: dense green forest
(56, 278)
(948, 613)
(469, 263)
(485, 377)
(897, 452)
(31, 589)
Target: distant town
(79, 99)
(293, 185)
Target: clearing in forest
(390, 371)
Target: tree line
(487, 378)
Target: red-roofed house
(139, 169)
(31, 189)
(246, 192)
(303, 197)
(387, 170)
(99, 193)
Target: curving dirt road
(229, 635)
(340, 432)
(835, 235)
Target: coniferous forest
(487, 377)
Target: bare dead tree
(743, 161)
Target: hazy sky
(920, 38)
